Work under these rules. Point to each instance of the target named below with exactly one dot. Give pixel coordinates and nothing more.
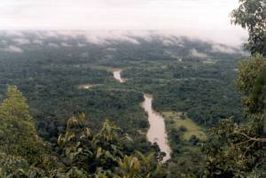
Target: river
(117, 75)
(157, 131)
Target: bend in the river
(157, 131)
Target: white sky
(201, 18)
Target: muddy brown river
(157, 131)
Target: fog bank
(204, 19)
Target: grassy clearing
(176, 120)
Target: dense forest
(212, 98)
(180, 80)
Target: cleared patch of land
(178, 120)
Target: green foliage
(18, 135)
(104, 154)
(139, 166)
(83, 153)
(251, 83)
(251, 14)
(233, 150)
(86, 151)
(15, 105)
(205, 92)
(15, 166)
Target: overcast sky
(203, 18)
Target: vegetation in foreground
(81, 152)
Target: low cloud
(196, 53)
(12, 49)
(53, 45)
(223, 49)
(21, 41)
(205, 19)
(65, 44)
(39, 42)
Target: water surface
(117, 75)
(157, 130)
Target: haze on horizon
(204, 19)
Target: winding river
(157, 131)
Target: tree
(235, 150)
(103, 154)
(18, 135)
(139, 166)
(251, 83)
(251, 14)
(15, 166)
(76, 144)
